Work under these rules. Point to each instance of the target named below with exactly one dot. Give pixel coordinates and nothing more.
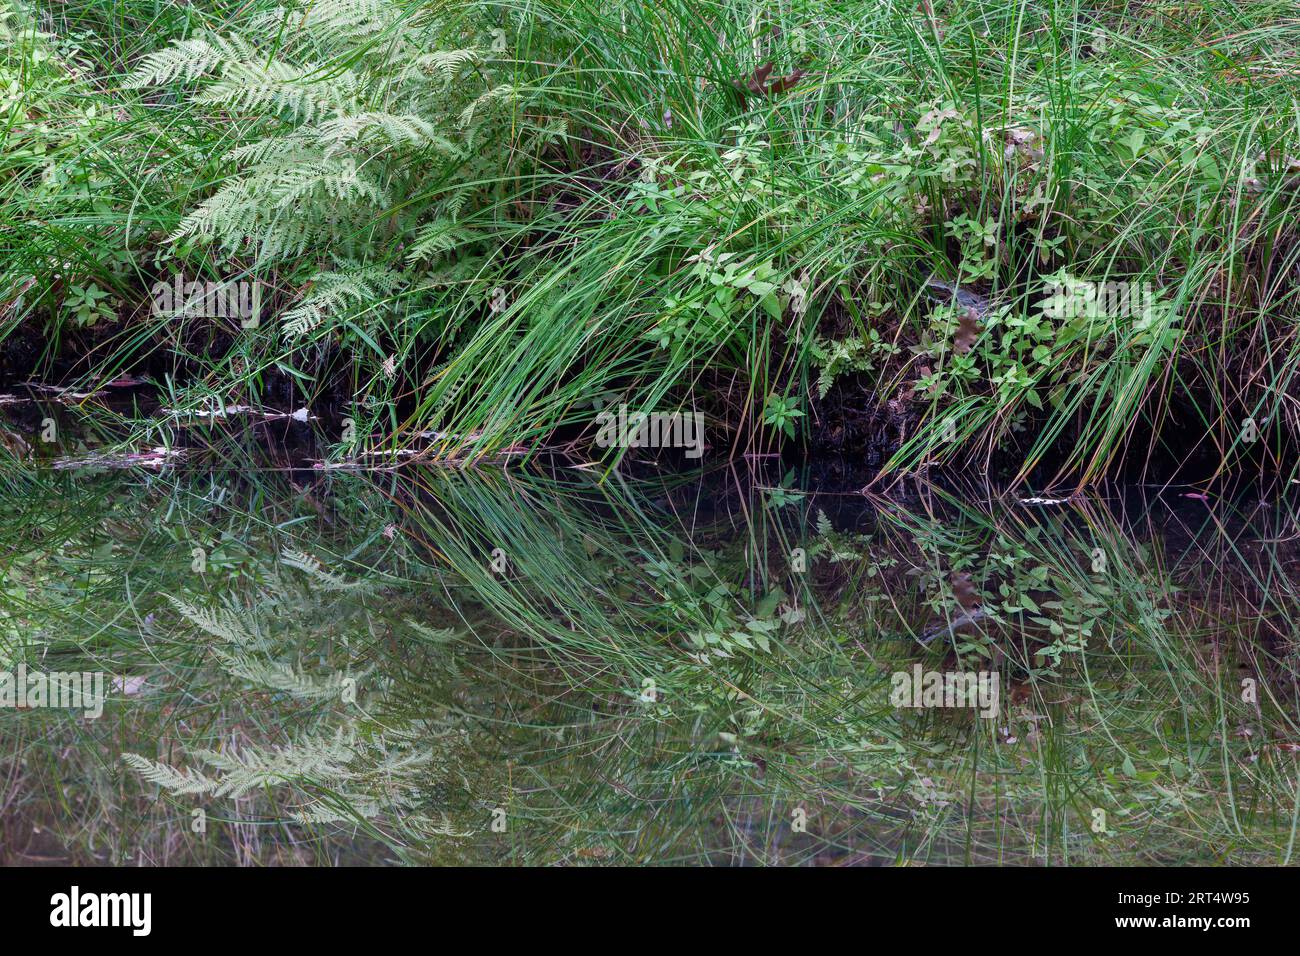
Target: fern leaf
(169, 778)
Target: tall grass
(720, 206)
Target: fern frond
(169, 778)
(279, 676)
(276, 87)
(393, 129)
(231, 213)
(298, 146)
(447, 65)
(312, 566)
(438, 238)
(226, 623)
(555, 128)
(320, 760)
(456, 201)
(441, 635)
(189, 59)
(331, 19)
(333, 291)
(358, 808)
(339, 180)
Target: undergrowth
(492, 220)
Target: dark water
(541, 663)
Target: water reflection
(535, 665)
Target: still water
(543, 663)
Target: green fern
(332, 292)
(282, 677)
(227, 622)
(322, 759)
(189, 60)
(169, 778)
(368, 144)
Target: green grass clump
(491, 219)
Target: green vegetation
(309, 316)
(489, 219)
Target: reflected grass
(636, 671)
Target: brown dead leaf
(783, 83)
(964, 592)
(757, 82)
(968, 330)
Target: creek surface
(539, 663)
